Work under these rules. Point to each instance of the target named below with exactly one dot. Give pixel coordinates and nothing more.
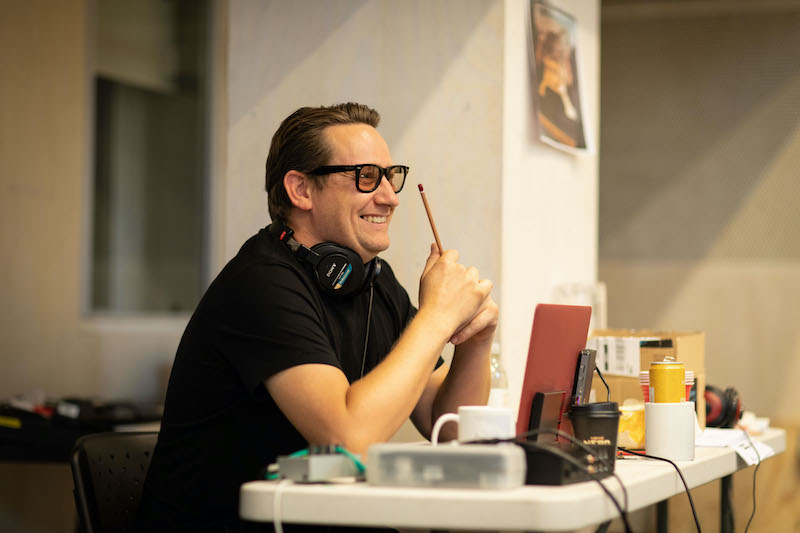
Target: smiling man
(306, 337)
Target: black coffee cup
(596, 425)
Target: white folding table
(540, 508)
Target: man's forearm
(385, 397)
(467, 383)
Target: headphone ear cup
(723, 408)
(714, 406)
(339, 270)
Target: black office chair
(108, 470)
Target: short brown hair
(300, 144)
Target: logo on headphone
(343, 275)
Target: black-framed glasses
(368, 176)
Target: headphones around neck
(338, 269)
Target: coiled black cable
(758, 456)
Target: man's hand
(454, 295)
(482, 327)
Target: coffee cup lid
(596, 408)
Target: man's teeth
(375, 220)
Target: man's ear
(298, 187)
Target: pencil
(430, 218)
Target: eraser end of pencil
(420, 187)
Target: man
(306, 337)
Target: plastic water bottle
(499, 390)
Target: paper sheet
(746, 452)
(737, 440)
(719, 437)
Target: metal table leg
(662, 514)
(726, 522)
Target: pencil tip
(420, 187)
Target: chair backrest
(108, 470)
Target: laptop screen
(558, 335)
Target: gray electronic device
(478, 466)
(584, 371)
(319, 465)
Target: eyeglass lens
(370, 176)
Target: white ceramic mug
(476, 422)
(669, 430)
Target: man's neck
(301, 232)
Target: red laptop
(559, 334)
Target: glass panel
(397, 176)
(151, 162)
(370, 174)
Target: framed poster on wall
(556, 90)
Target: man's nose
(385, 193)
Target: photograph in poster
(557, 91)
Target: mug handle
(442, 420)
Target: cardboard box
(622, 375)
